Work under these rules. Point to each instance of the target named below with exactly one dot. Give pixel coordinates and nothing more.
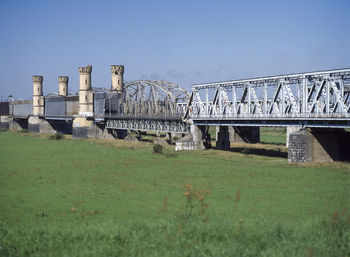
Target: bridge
(147, 105)
(314, 106)
(315, 99)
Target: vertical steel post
(234, 100)
(341, 87)
(248, 99)
(304, 95)
(327, 96)
(220, 107)
(206, 102)
(109, 103)
(298, 100)
(265, 97)
(283, 98)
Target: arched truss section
(154, 98)
(52, 94)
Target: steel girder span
(150, 105)
(154, 98)
(159, 125)
(315, 99)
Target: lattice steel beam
(306, 95)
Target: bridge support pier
(81, 127)
(119, 133)
(4, 122)
(162, 140)
(291, 130)
(36, 124)
(198, 139)
(86, 128)
(223, 134)
(13, 123)
(177, 136)
(318, 145)
(133, 135)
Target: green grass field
(115, 198)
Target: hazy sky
(185, 42)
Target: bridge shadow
(259, 151)
(150, 137)
(272, 143)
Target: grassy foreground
(115, 198)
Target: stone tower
(63, 85)
(35, 122)
(38, 99)
(117, 77)
(85, 91)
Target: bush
(24, 131)
(56, 136)
(157, 149)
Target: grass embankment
(97, 197)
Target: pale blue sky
(185, 42)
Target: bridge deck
(276, 122)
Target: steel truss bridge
(161, 124)
(148, 105)
(315, 99)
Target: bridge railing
(274, 116)
(143, 117)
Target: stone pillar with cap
(117, 77)
(83, 122)
(63, 85)
(37, 122)
(85, 92)
(38, 100)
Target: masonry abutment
(198, 139)
(117, 72)
(63, 85)
(13, 123)
(318, 145)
